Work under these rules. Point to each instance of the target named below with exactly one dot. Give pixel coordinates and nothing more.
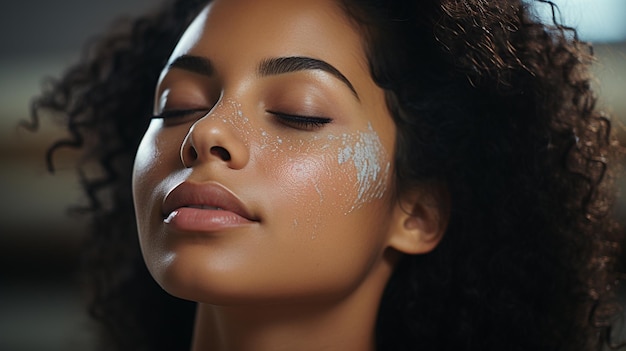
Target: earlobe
(419, 220)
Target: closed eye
(172, 117)
(300, 122)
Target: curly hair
(487, 101)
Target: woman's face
(269, 175)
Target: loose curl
(489, 104)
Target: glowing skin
(314, 242)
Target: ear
(419, 219)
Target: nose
(215, 138)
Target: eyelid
(178, 113)
(172, 113)
(300, 121)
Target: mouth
(210, 197)
(204, 207)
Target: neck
(345, 324)
(223, 329)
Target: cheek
(326, 178)
(363, 158)
(154, 172)
(308, 192)
(158, 158)
(147, 161)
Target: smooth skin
(307, 269)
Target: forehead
(236, 30)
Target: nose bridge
(218, 136)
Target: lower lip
(202, 220)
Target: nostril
(188, 155)
(220, 152)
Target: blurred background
(40, 302)
(41, 307)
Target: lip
(192, 206)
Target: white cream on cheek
(365, 151)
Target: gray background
(40, 304)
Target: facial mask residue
(365, 151)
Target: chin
(188, 281)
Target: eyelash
(300, 122)
(178, 114)
(294, 121)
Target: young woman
(343, 175)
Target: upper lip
(188, 194)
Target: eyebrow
(267, 67)
(282, 65)
(195, 64)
